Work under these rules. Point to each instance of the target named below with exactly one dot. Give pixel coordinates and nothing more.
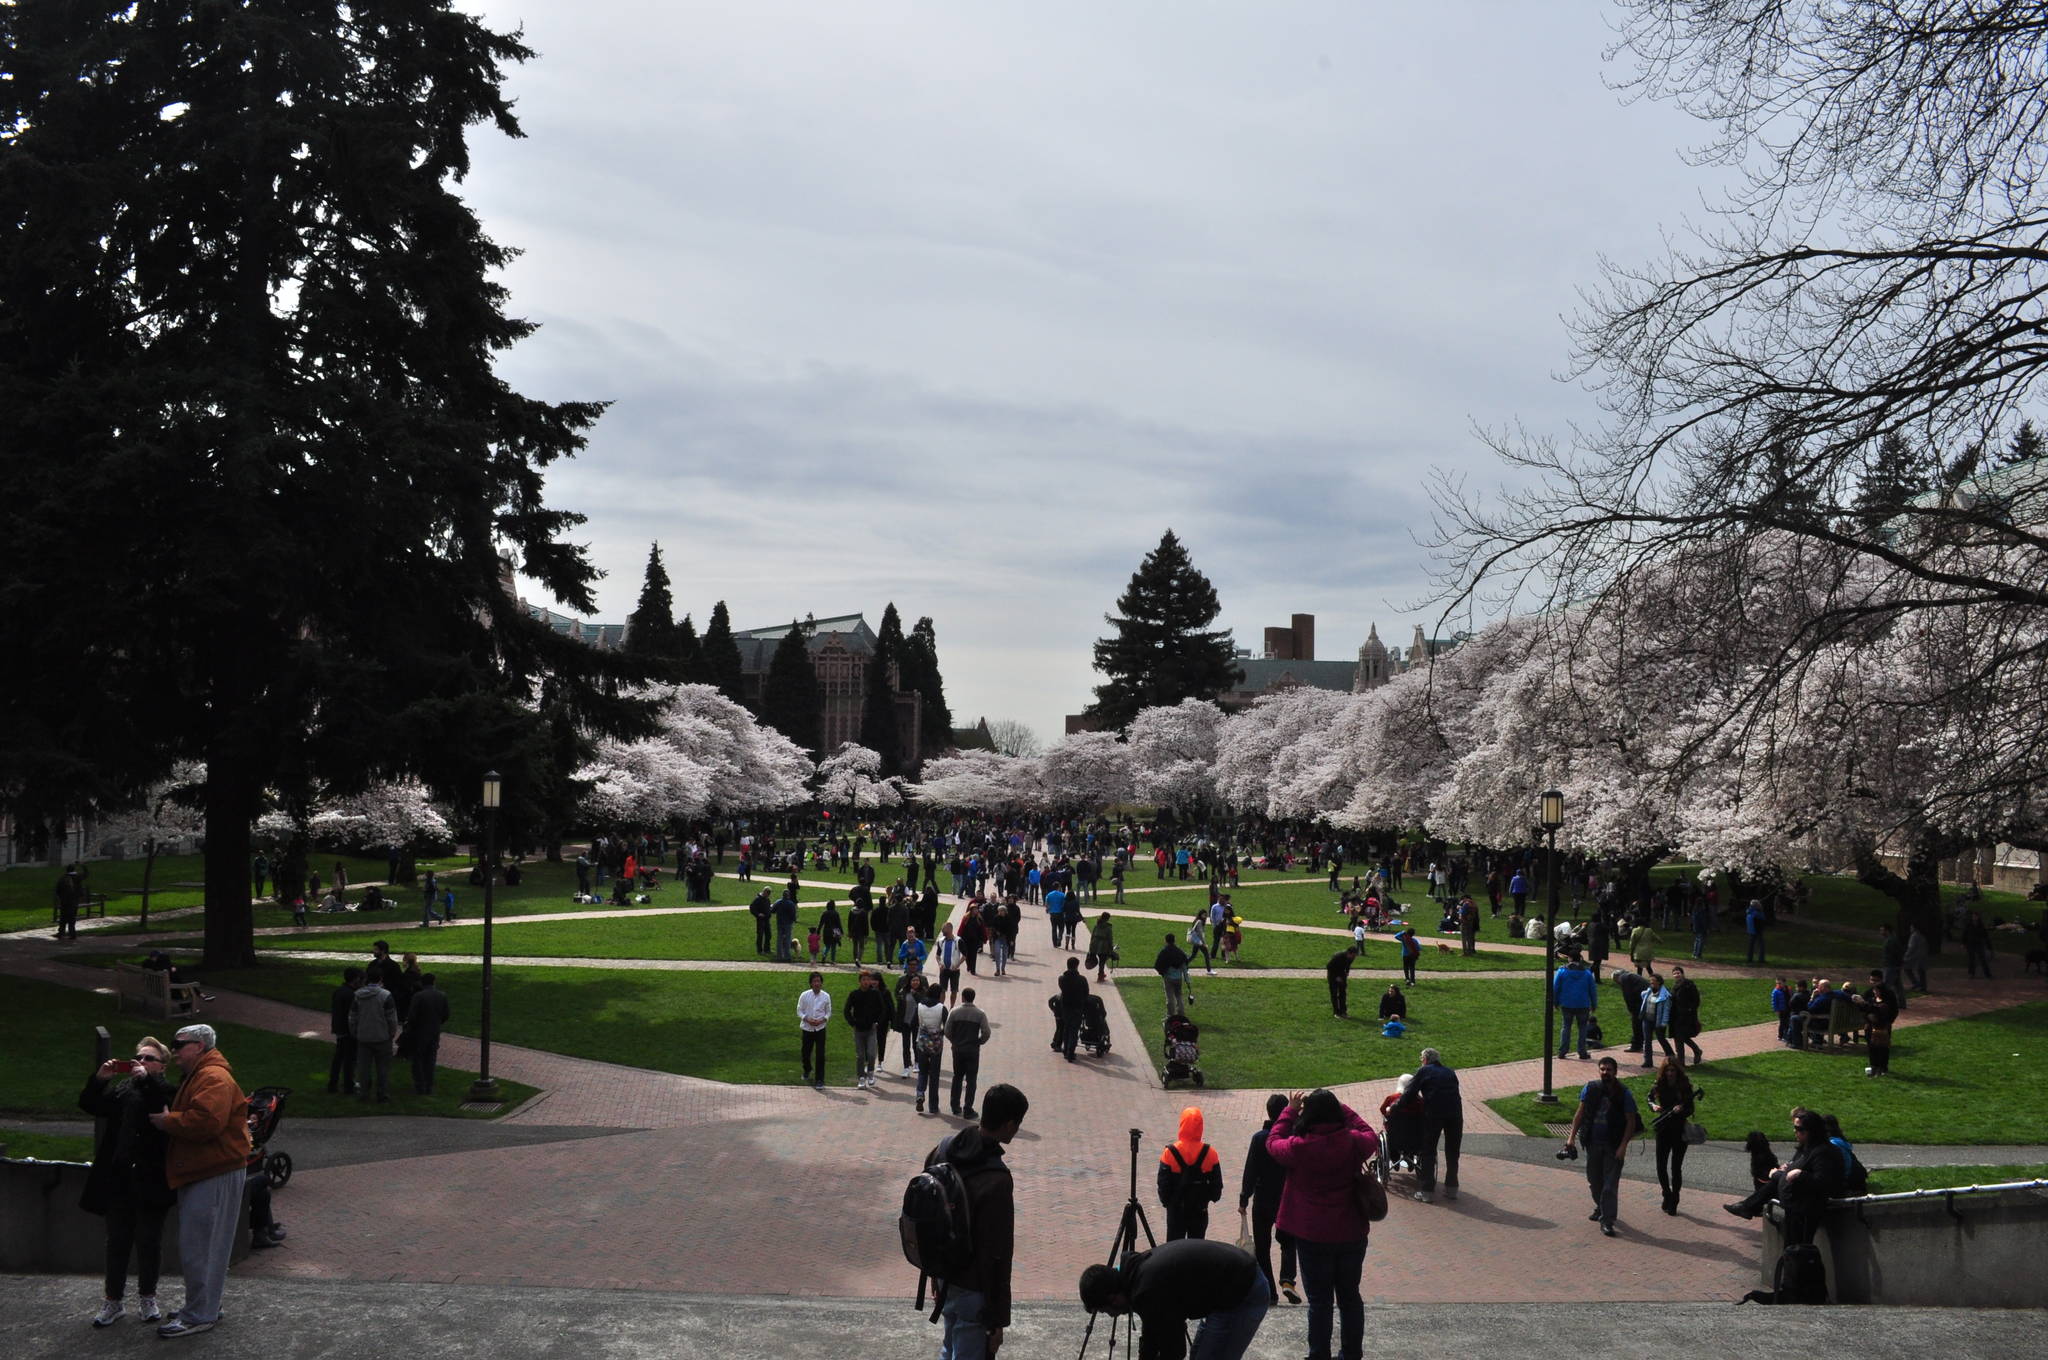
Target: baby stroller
(1095, 1026)
(1183, 1050)
(266, 1112)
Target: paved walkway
(750, 1189)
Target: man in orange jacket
(207, 1163)
(1190, 1179)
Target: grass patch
(1897, 1179)
(1279, 1032)
(50, 1040)
(697, 935)
(28, 893)
(1981, 1079)
(24, 1144)
(735, 1027)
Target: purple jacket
(1321, 1162)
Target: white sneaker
(1423, 1197)
(150, 1312)
(908, 1070)
(110, 1313)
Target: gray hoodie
(374, 1017)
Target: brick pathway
(712, 1188)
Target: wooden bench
(92, 904)
(154, 990)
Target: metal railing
(1945, 1192)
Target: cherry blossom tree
(1083, 771)
(976, 781)
(1260, 750)
(1173, 754)
(169, 816)
(707, 754)
(851, 778)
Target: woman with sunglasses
(126, 1184)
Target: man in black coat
(758, 908)
(1264, 1179)
(341, 1069)
(1632, 989)
(1176, 1282)
(1073, 1005)
(425, 1014)
(1338, 971)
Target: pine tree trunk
(231, 794)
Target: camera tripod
(1121, 1246)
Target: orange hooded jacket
(1194, 1152)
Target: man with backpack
(1190, 1179)
(959, 1227)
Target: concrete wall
(42, 1229)
(1979, 1251)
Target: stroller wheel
(1198, 1078)
(277, 1169)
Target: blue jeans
(1754, 951)
(1330, 1273)
(928, 1080)
(1699, 943)
(1227, 1334)
(1564, 1038)
(964, 1338)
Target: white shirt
(1358, 933)
(813, 1009)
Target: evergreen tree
(246, 320)
(1161, 652)
(718, 657)
(879, 729)
(1893, 476)
(790, 702)
(651, 627)
(921, 673)
(2026, 446)
(689, 653)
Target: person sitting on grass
(1393, 1005)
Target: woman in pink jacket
(1323, 1142)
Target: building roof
(757, 645)
(1262, 674)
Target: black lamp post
(484, 1088)
(1552, 818)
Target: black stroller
(1183, 1050)
(266, 1112)
(1094, 1035)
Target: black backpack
(1855, 1175)
(937, 1228)
(1800, 1277)
(1185, 1189)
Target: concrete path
(742, 1190)
(43, 1318)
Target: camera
(1568, 1153)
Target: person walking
(70, 894)
(1337, 972)
(341, 1068)
(1259, 1193)
(1190, 1179)
(1322, 1144)
(813, 1017)
(1685, 1015)
(1102, 946)
(784, 912)
(1976, 943)
(1656, 1013)
(867, 1012)
(1914, 961)
(1577, 996)
(425, 1015)
(967, 1031)
(1411, 952)
(1172, 966)
(1073, 1000)
(1671, 1102)
(373, 1021)
(946, 954)
(1607, 1116)
(1754, 923)
(1642, 946)
(1443, 1119)
(977, 1297)
(126, 1184)
(909, 996)
(205, 1162)
(928, 1043)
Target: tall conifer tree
(789, 694)
(718, 658)
(651, 627)
(921, 673)
(880, 729)
(1162, 650)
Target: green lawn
(50, 1056)
(28, 893)
(1981, 1079)
(1279, 1033)
(46, 1147)
(543, 889)
(727, 934)
(1896, 1179)
(735, 1027)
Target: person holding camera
(1174, 1284)
(1323, 1143)
(1607, 1114)
(1671, 1100)
(126, 1183)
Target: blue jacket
(1576, 988)
(1657, 1007)
(1753, 920)
(1438, 1087)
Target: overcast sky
(961, 304)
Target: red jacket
(1322, 1162)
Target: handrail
(1949, 1192)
